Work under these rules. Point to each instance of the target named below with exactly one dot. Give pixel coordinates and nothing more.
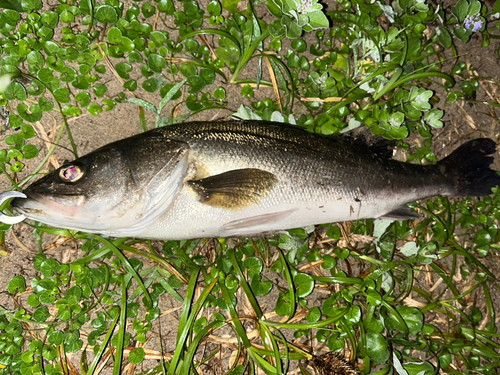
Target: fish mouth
(38, 205)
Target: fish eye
(71, 173)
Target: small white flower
(303, 7)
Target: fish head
(116, 190)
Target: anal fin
(235, 189)
(258, 220)
(399, 214)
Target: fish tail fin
(470, 166)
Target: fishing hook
(11, 219)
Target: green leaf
(94, 109)
(48, 267)
(483, 238)
(254, 266)
(45, 104)
(130, 85)
(56, 338)
(220, 93)
(108, 104)
(433, 118)
(62, 95)
(314, 314)
(67, 17)
(373, 298)
(208, 76)
(83, 98)
(230, 5)
(214, 8)
(305, 284)
(50, 18)
(73, 347)
(14, 139)
(329, 308)
(421, 101)
(419, 368)
(15, 121)
(377, 348)
(158, 37)
(299, 45)
(17, 284)
(156, 63)
(229, 53)
(193, 104)
(317, 20)
(33, 300)
(460, 9)
(137, 355)
(335, 343)
(293, 29)
(283, 305)
(31, 5)
(247, 91)
(148, 10)
(123, 69)
(133, 57)
(35, 58)
(81, 83)
(36, 88)
(445, 359)
(196, 83)
(106, 14)
(13, 329)
(444, 37)
(413, 318)
(15, 91)
(41, 314)
(70, 110)
(304, 64)
(71, 336)
(166, 6)
(87, 58)
(353, 316)
(74, 294)
(191, 46)
(49, 352)
(11, 5)
(150, 85)
(99, 90)
(396, 119)
(260, 288)
(114, 35)
(397, 133)
(126, 45)
(188, 70)
(14, 153)
(47, 297)
(165, 91)
(30, 151)
(34, 115)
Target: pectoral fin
(236, 189)
(400, 213)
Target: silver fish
(225, 179)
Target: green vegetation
(332, 70)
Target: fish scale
(242, 178)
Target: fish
(242, 179)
